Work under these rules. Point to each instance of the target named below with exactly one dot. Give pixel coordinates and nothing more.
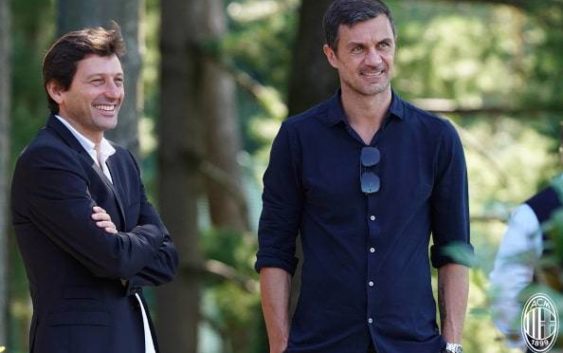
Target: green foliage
(233, 307)
(262, 45)
(545, 52)
(231, 248)
(33, 29)
(259, 44)
(468, 53)
(553, 247)
(471, 53)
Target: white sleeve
(519, 251)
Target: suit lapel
(70, 140)
(113, 187)
(117, 186)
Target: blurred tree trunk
(225, 194)
(77, 14)
(5, 73)
(223, 183)
(180, 152)
(312, 79)
(30, 33)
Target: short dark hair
(61, 61)
(350, 12)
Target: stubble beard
(371, 90)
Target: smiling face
(92, 102)
(364, 56)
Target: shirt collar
(106, 149)
(335, 111)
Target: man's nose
(373, 57)
(114, 90)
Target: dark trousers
(371, 349)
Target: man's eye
(384, 45)
(97, 81)
(357, 50)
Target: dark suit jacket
(75, 269)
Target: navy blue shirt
(366, 267)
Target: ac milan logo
(540, 323)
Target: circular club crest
(540, 323)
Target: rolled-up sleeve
(449, 203)
(282, 204)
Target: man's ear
(55, 91)
(331, 56)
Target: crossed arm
(103, 220)
(51, 192)
(161, 270)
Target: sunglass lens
(370, 183)
(370, 156)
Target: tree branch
(447, 106)
(223, 179)
(521, 4)
(221, 271)
(486, 218)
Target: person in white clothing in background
(517, 260)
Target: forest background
(208, 84)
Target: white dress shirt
(105, 151)
(519, 252)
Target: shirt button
(372, 218)
(370, 283)
(372, 250)
(370, 321)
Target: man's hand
(103, 220)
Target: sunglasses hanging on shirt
(369, 181)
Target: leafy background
(493, 67)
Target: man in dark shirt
(364, 178)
